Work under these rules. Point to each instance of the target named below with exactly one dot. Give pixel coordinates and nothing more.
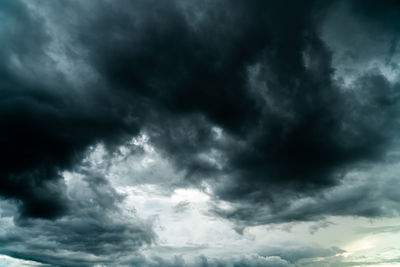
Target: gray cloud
(95, 231)
(270, 89)
(272, 105)
(270, 257)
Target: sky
(199, 133)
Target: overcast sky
(199, 133)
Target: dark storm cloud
(384, 13)
(261, 72)
(240, 94)
(258, 72)
(46, 126)
(303, 132)
(369, 194)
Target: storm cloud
(278, 111)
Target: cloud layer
(278, 112)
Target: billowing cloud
(271, 112)
(96, 230)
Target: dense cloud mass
(46, 125)
(280, 111)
